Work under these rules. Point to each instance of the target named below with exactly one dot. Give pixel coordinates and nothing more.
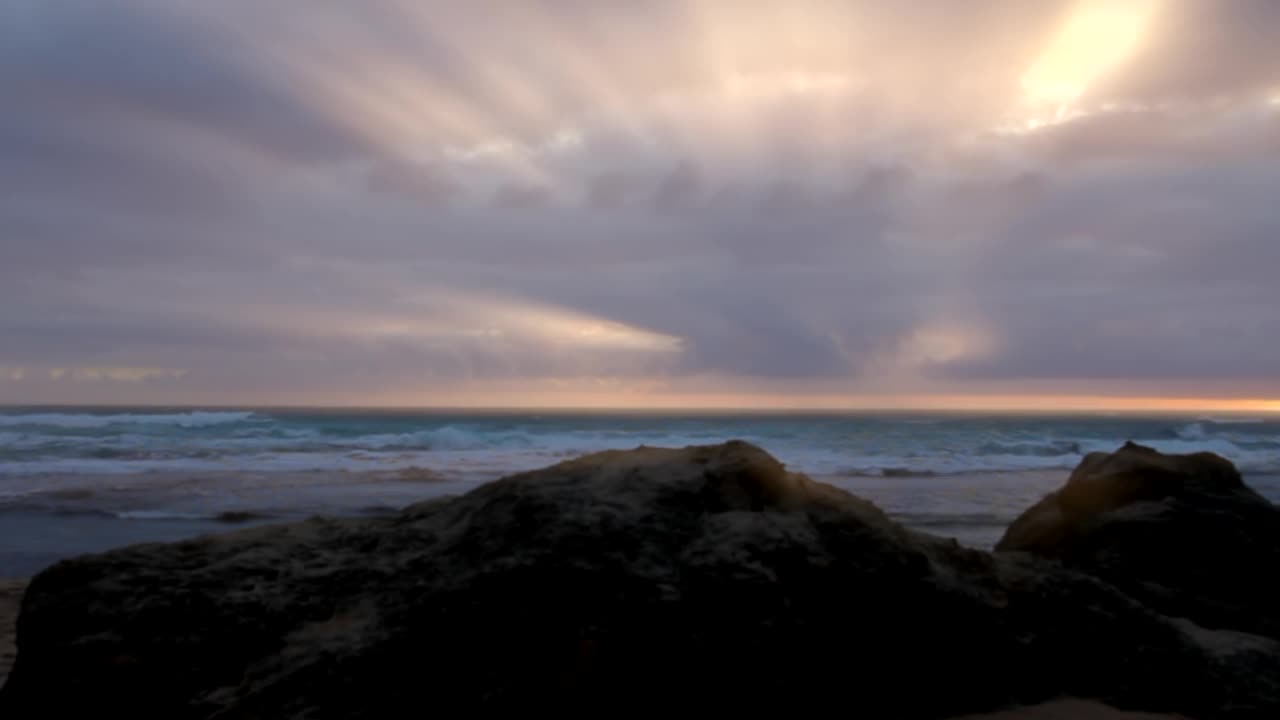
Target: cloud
(149, 62)
(610, 190)
(859, 196)
(92, 374)
(520, 196)
(91, 88)
(413, 181)
(1200, 51)
(117, 374)
(680, 189)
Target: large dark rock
(703, 579)
(1181, 533)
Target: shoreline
(11, 591)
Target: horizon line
(657, 409)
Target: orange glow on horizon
(514, 397)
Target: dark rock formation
(675, 581)
(1180, 533)
(10, 593)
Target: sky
(658, 203)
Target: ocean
(75, 480)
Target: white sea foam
(241, 441)
(1234, 420)
(499, 460)
(1194, 431)
(162, 515)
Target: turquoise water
(74, 480)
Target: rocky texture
(703, 579)
(1181, 533)
(1069, 709)
(10, 595)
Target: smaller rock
(1181, 533)
(1069, 709)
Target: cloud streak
(801, 199)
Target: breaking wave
(117, 443)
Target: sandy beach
(10, 598)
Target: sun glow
(500, 324)
(664, 394)
(1098, 36)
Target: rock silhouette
(697, 579)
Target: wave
(229, 517)
(1193, 431)
(448, 437)
(905, 472)
(942, 467)
(413, 473)
(976, 519)
(192, 419)
(274, 445)
(199, 441)
(1052, 448)
(426, 466)
(1248, 428)
(1233, 420)
(1251, 458)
